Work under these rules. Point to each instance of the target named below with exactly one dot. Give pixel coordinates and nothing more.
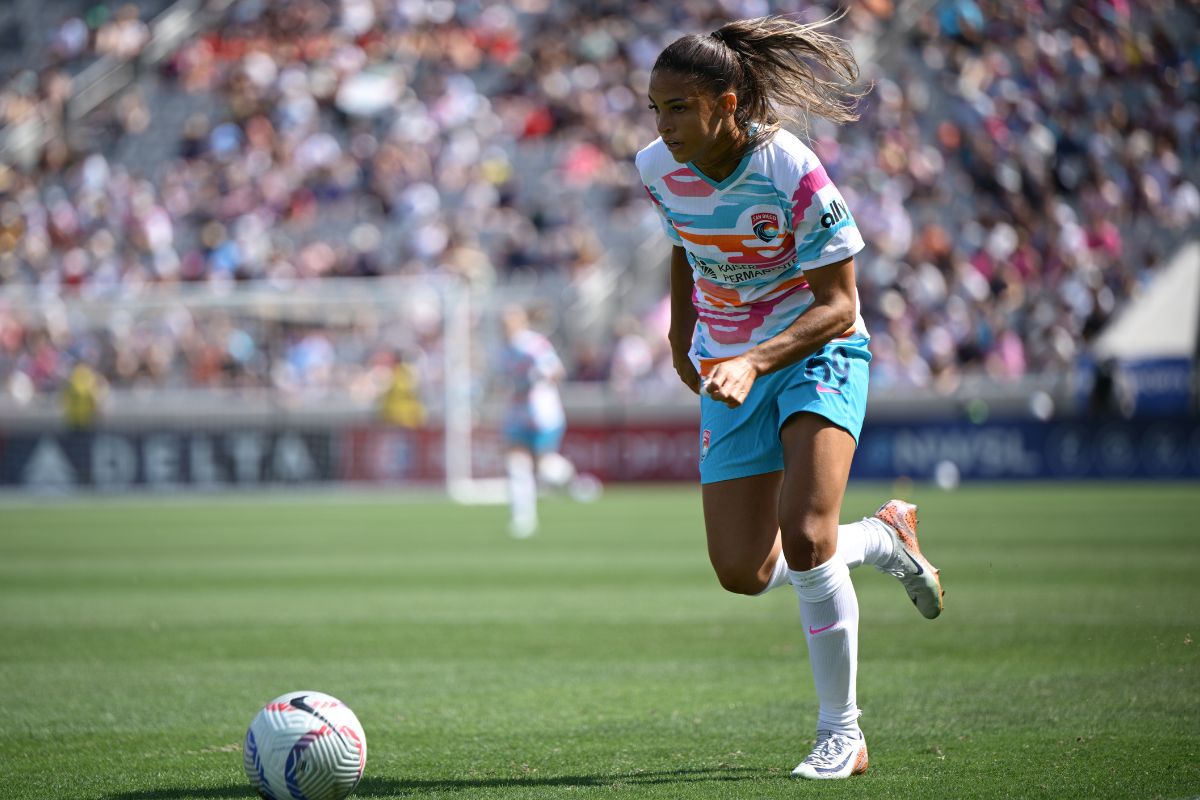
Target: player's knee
(804, 535)
(740, 581)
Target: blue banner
(1028, 449)
(995, 450)
(121, 460)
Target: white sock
(829, 612)
(779, 576)
(522, 489)
(868, 541)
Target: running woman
(534, 423)
(765, 327)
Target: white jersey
(530, 367)
(750, 238)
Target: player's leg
(742, 525)
(522, 489)
(817, 457)
(867, 541)
(557, 472)
(553, 469)
(741, 470)
(888, 541)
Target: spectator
(1019, 170)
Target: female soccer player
(534, 423)
(765, 328)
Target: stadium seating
(1018, 171)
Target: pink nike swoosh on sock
(823, 389)
(814, 631)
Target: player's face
(695, 125)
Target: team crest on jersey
(704, 440)
(766, 225)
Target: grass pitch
(600, 658)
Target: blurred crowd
(1019, 170)
(1021, 180)
(40, 91)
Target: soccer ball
(305, 745)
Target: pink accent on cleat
(922, 581)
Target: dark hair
(768, 62)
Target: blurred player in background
(534, 423)
(83, 396)
(765, 327)
(400, 404)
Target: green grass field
(599, 659)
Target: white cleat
(585, 488)
(921, 579)
(835, 756)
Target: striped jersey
(530, 368)
(750, 238)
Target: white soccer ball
(305, 746)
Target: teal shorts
(743, 441)
(528, 436)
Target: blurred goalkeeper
(534, 423)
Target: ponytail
(769, 62)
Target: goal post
(461, 418)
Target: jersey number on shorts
(832, 369)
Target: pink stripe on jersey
(686, 183)
(810, 184)
(735, 324)
(749, 242)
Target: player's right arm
(683, 319)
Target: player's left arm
(831, 314)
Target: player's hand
(686, 370)
(730, 381)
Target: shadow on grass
(389, 787)
(232, 791)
